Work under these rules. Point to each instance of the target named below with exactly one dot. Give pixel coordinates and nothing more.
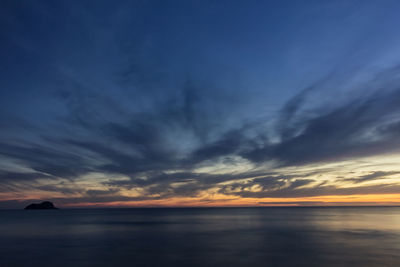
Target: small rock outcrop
(46, 205)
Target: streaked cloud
(104, 107)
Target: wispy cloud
(115, 99)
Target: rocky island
(46, 205)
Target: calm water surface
(201, 237)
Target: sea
(262, 236)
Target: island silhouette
(45, 205)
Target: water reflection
(202, 237)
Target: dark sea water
(201, 237)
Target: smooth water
(349, 236)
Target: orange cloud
(349, 200)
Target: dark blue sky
(140, 101)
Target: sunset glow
(141, 104)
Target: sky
(199, 103)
